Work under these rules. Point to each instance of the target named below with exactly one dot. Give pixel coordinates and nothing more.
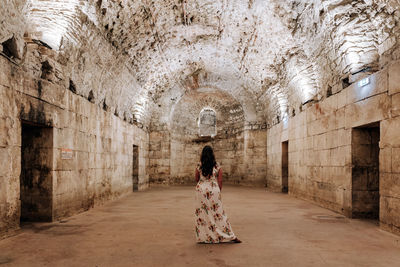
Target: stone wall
(92, 149)
(320, 146)
(159, 155)
(176, 144)
(242, 157)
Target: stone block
(340, 116)
(5, 73)
(368, 111)
(394, 77)
(345, 155)
(344, 137)
(31, 87)
(154, 146)
(342, 99)
(328, 106)
(389, 211)
(155, 154)
(395, 105)
(389, 185)
(320, 141)
(312, 114)
(51, 93)
(3, 191)
(385, 160)
(66, 182)
(396, 160)
(64, 138)
(308, 143)
(332, 139)
(5, 159)
(83, 160)
(309, 156)
(325, 156)
(341, 176)
(298, 132)
(81, 142)
(314, 157)
(390, 133)
(10, 132)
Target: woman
(212, 224)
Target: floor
(156, 228)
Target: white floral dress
(212, 224)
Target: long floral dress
(212, 224)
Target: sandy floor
(156, 228)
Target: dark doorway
(36, 181)
(365, 171)
(285, 167)
(135, 166)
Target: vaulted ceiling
(142, 58)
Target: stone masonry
(100, 98)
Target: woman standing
(212, 224)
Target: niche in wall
(365, 172)
(36, 180)
(135, 168)
(285, 167)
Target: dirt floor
(156, 228)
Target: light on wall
(285, 120)
(303, 83)
(51, 20)
(364, 82)
(365, 87)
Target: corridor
(156, 228)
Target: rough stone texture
(12, 28)
(271, 56)
(290, 66)
(12, 19)
(101, 144)
(322, 151)
(241, 156)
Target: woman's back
(213, 175)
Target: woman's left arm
(197, 175)
(220, 178)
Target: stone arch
(184, 118)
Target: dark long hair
(207, 161)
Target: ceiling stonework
(140, 58)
